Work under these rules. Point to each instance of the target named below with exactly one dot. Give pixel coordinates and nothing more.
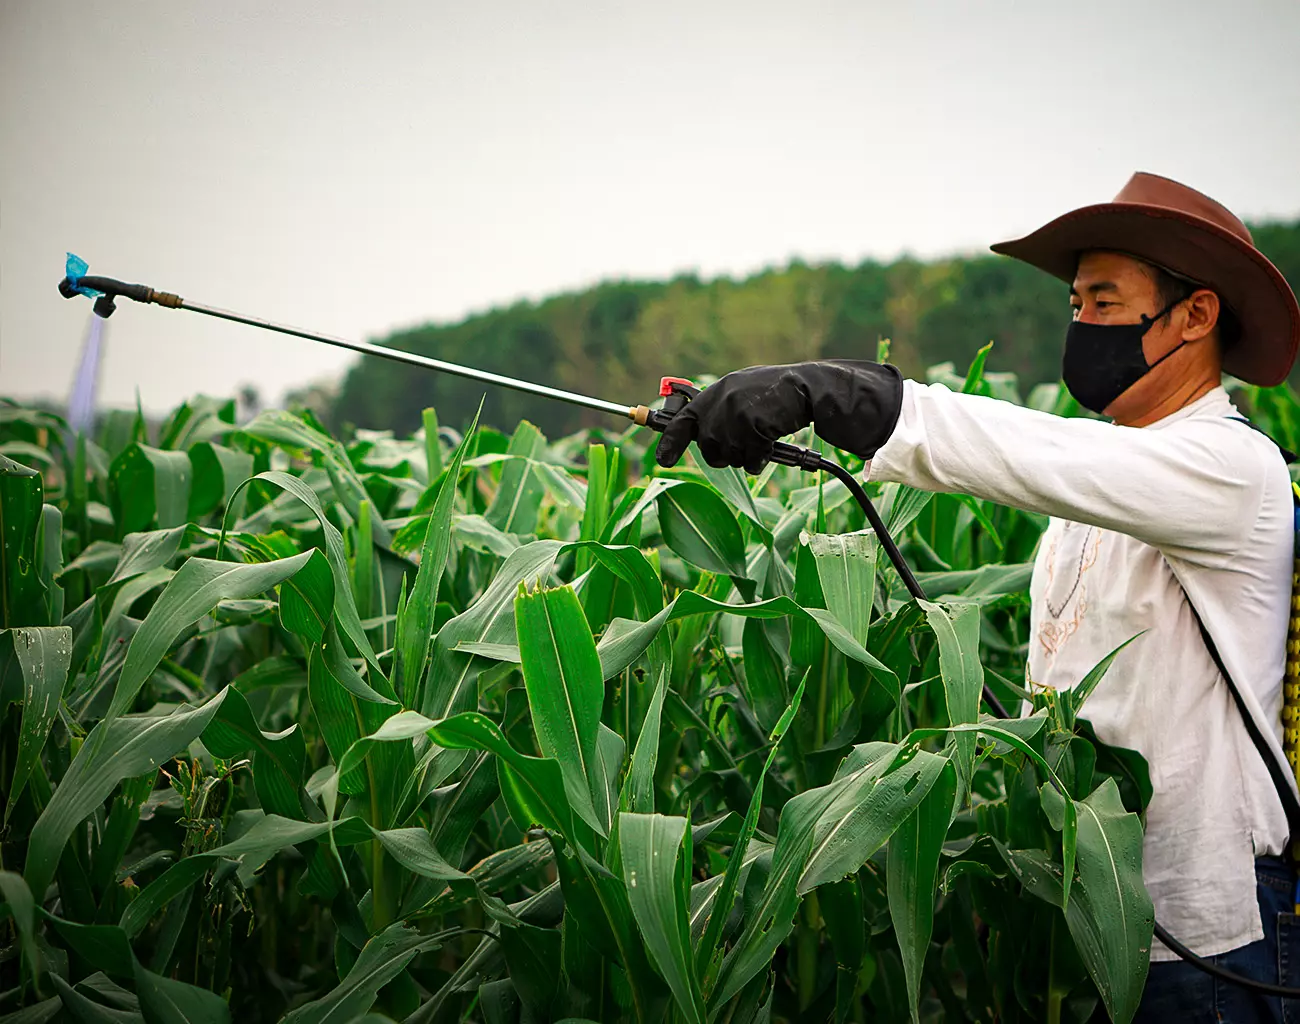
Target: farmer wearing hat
(1174, 514)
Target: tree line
(616, 339)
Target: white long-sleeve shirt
(1195, 498)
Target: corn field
(486, 727)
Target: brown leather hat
(1178, 228)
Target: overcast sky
(357, 167)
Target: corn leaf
(565, 689)
(307, 599)
(193, 592)
(44, 654)
(150, 487)
(638, 792)
(912, 870)
(168, 1001)
(143, 552)
(957, 629)
(698, 525)
(218, 472)
(415, 625)
(23, 910)
(846, 569)
(651, 846)
(20, 519)
(518, 498)
(490, 619)
(381, 960)
(116, 749)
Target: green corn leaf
(565, 688)
(876, 788)
(381, 960)
(731, 484)
(363, 559)
(846, 569)
(278, 758)
(490, 619)
(698, 526)
(826, 833)
(639, 787)
(345, 607)
(307, 599)
(168, 1001)
(518, 498)
(957, 629)
(103, 946)
(20, 522)
(193, 592)
(1068, 825)
(44, 654)
(124, 1008)
(293, 433)
(150, 487)
(840, 904)
(432, 449)
(23, 910)
(738, 860)
(1111, 916)
(610, 749)
(49, 559)
(218, 472)
(913, 867)
(115, 750)
(900, 504)
(36, 1013)
(533, 958)
(623, 643)
(598, 901)
(415, 625)
(601, 466)
(143, 552)
(534, 786)
(651, 846)
(1109, 913)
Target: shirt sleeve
(1193, 486)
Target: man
(1173, 509)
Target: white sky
(356, 167)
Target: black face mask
(1102, 361)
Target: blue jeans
(1179, 992)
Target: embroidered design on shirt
(1053, 634)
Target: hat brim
(1240, 274)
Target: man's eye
(1103, 305)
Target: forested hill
(616, 340)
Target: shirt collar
(1213, 403)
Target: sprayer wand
(676, 392)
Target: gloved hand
(851, 403)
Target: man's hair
(1172, 288)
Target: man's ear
(1202, 314)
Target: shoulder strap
(1288, 456)
(1281, 781)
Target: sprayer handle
(678, 391)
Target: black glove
(851, 403)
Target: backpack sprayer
(676, 392)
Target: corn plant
(477, 726)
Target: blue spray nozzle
(75, 270)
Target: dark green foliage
(617, 339)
